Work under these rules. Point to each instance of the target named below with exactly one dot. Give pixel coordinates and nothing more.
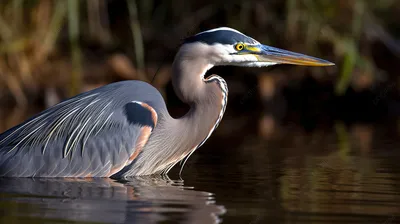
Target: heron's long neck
(173, 139)
(207, 99)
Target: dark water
(252, 170)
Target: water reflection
(332, 186)
(134, 200)
(346, 174)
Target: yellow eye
(239, 47)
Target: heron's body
(124, 128)
(30, 148)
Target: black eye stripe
(222, 37)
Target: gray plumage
(124, 129)
(84, 136)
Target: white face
(226, 54)
(229, 55)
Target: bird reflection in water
(133, 200)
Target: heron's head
(226, 46)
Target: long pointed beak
(280, 56)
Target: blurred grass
(73, 27)
(137, 37)
(33, 33)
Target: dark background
(51, 50)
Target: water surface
(250, 171)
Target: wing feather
(106, 133)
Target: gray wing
(95, 134)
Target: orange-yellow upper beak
(266, 53)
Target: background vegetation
(52, 49)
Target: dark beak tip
(328, 63)
(321, 62)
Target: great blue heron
(124, 129)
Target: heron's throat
(188, 78)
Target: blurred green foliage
(32, 32)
